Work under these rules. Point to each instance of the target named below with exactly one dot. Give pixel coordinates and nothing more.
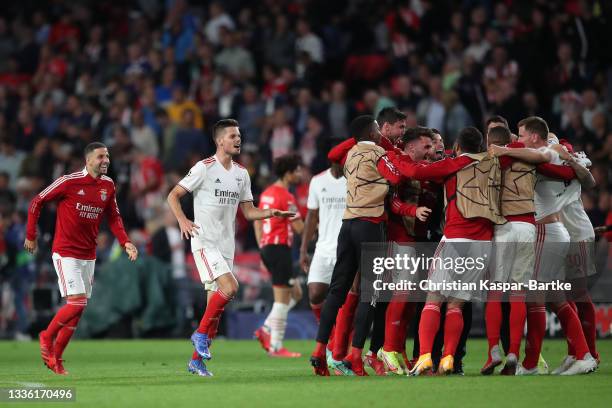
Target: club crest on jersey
(103, 194)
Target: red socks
(316, 311)
(393, 325)
(536, 328)
(586, 313)
(518, 314)
(453, 326)
(214, 309)
(344, 324)
(493, 318)
(572, 329)
(74, 307)
(428, 327)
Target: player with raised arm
(275, 237)
(83, 199)
(552, 246)
(219, 185)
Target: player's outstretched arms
(521, 153)
(188, 228)
(131, 251)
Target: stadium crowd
(149, 78)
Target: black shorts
(277, 259)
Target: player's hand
(304, 261)
(188, 228)
(282, 214)
(496, 151)
(131, 251)
(422, 213)
(30, 246)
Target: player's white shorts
(321, 268)
(462, 262)
(74, 276)
(514, 252)
(211, 264)
(552, 245)
(580, 260)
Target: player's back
(276, 230)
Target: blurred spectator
(7, 195)
(180, 104)
(308, 42)
(188, 139)
(10, 160)
(218, 18)
(142, 135)
(234, 59)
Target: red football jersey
(82, 203)
(276, 230)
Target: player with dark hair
(468, 235)
(83, 198)
(275, 237)
(411, 205)
(219, 185)
(368, 172)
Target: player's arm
(337, 154)
(523, 154)
(436, 172)
(298, 225)
(253, 213)
(388, 170)
(54, 191)
(116, 226)
(583, 174)
(310, 226)
(410, 210)
(188, 227)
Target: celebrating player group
(511, 200)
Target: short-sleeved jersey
(328, 195)
(217, 192)
(82, 202)
(276, 230)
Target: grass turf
(151, 373)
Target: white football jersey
(327, 194)
(551, 195)
(216, 195)
(577, 221)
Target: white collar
(366, 142)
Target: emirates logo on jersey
(103, 194)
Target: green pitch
(153, 374)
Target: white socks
(277, 322)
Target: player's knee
(316, 295)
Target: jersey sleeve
(195, 178)
(313, 198)
(246, 194)
(338, 153)
(54, 191)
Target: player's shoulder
(71, 177)
(207, 163)
(321, 176)
(107, 180)
(240, 169)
